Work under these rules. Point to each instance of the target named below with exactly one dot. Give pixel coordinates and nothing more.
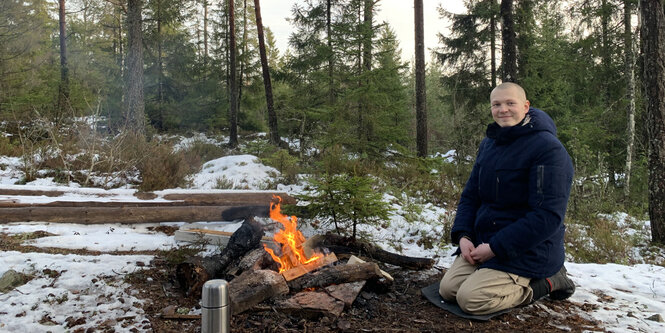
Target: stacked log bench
(181, 206)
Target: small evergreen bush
(288, 166)
(349, 200)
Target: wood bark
(629, 60)
(63, 94)
(233, 100)
(336, 275)
(134, 106)
(160, 67)
(509, 49)
(653, 50)
(272, 116)
(311, 305)
(101, 215)
(194, 272)
(331, 82)
(205, 33)
(231, 198)
(254, 287)
(339, 244)
(493, 48)
(421, 97)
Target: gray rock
(12, 279)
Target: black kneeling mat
(431, 292)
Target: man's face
(508, 106)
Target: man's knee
(475, 301)
(447, 289)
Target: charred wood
(195, 271)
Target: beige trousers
(485, 290)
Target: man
(509, 222)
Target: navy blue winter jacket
(516, 197)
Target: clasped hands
(475, 255)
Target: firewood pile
(320, 276)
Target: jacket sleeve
(550, 179)
(468, 206)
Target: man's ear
(527, 104)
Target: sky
(621, 297)
(398, 13)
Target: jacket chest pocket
(511, 186)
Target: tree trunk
(331, 82)
(364, 130)
(205, 33)
(134, 107)
(509, 49)
(421, 98)
(233, 103)
(160, 68)
(653, 49)
(245, 58)
(630, 92)
(272, 116)
(493, 48)
(63, 94)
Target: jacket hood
(535, 120)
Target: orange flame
(290, 239)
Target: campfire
(292, 259)
(299, 275)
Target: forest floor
(401, 309)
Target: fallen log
(195, 271)
(339, 245)
(101, 215)
(254, 287)
(235, 198)
(336, 275)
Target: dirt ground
(401, 309)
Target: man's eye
(511, 103)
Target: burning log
(336, 275)
(339, 245)
(254, 287)
(194, 272)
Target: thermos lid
(215, 294)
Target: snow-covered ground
(92, 287)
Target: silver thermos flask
(215, 308)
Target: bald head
(516, 89)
